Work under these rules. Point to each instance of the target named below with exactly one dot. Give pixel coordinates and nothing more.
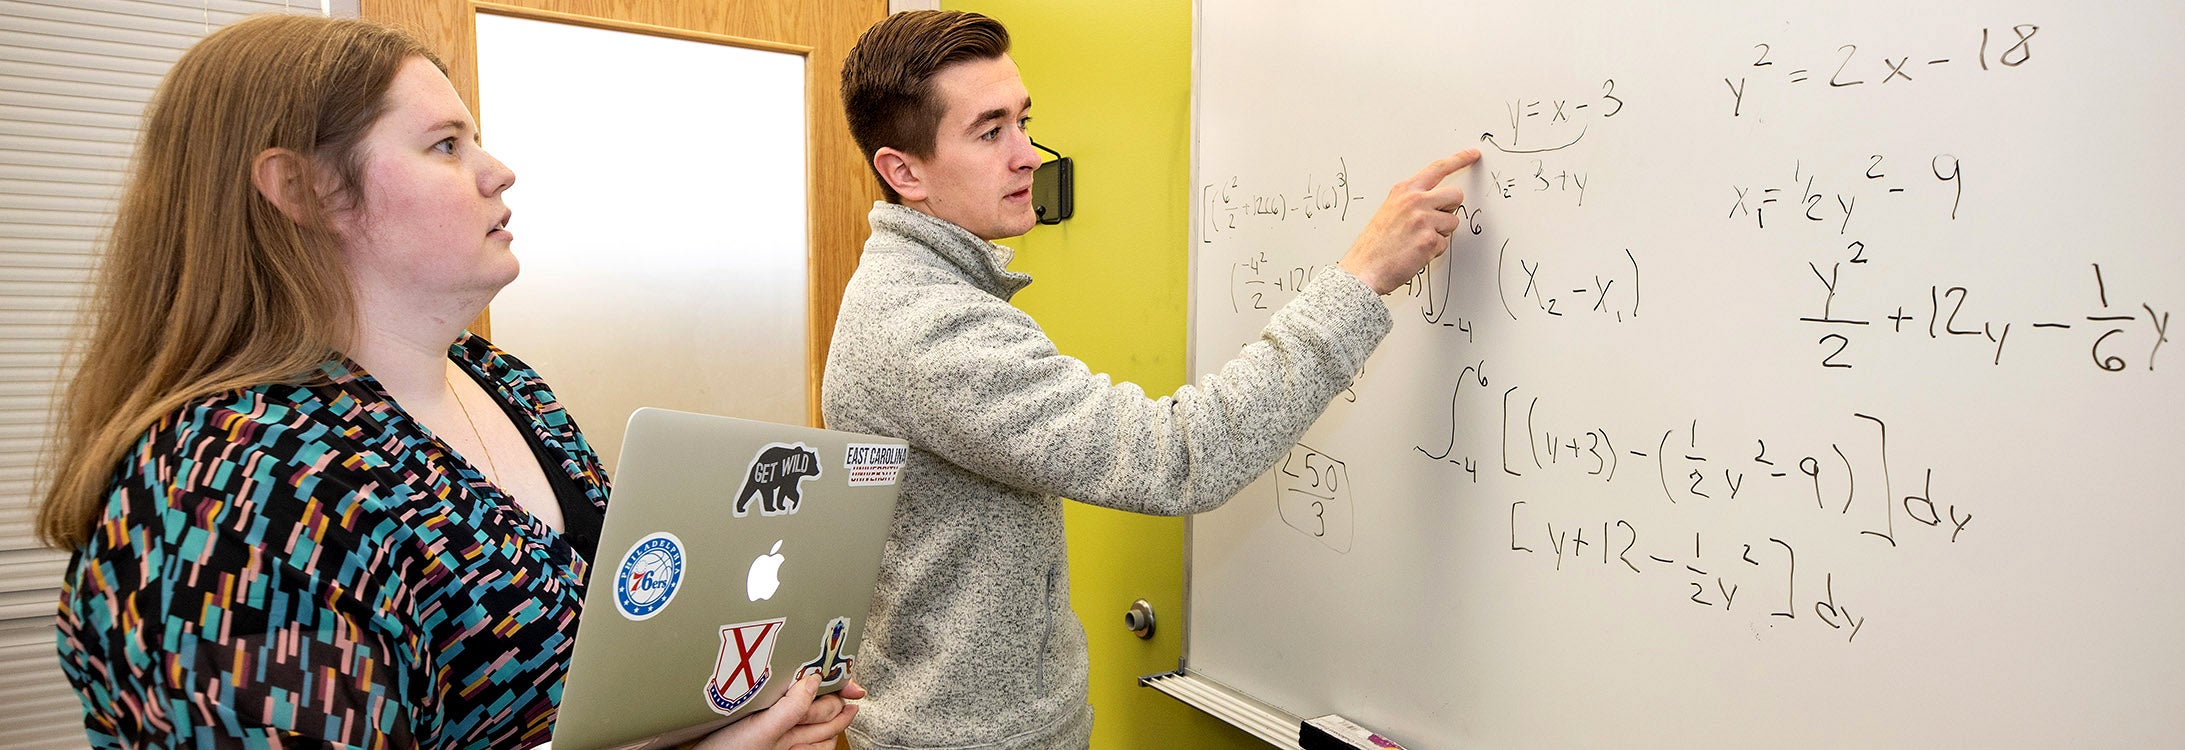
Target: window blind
(74, 78)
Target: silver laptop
(736, 557)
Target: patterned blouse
(309, 559)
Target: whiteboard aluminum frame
(1191, 301)
(1273, 725)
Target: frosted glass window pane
(660, 218)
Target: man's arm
(988, 391)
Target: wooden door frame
(518, 11)
(838, 184)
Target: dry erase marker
(1332, 732)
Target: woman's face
(430, 218)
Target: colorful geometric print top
(309, 559)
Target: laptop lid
(735, 556)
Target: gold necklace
(494, 471)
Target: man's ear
(283, 178)
(900, 170)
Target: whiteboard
(1799, 379)
(662, 234)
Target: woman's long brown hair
(205, 285)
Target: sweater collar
(983, 263)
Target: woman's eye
(445, 146)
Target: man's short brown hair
(887, 80)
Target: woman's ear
(283, 178)
(900, 170)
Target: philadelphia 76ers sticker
(746, 661)
(649, 575)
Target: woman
(307, 508)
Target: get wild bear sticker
(776, 479)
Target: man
(971, 642)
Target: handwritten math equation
(2116, 334)
(1537, 128)
(1542, 177)
(1603, 287)
(1849, 487)
(1257, 281)
(1232, 205)
(1538, 125)
(1260, 283)
(1589, 289)
(1313, 496)
(1804, 200)
(1532, 444)
(1848, 66)
(1650, 502)
(1765, 570)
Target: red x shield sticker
(747, 651)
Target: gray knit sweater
(971, 642)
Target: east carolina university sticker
(649, 575)
(747, 651)
(870, 464)
(776, 477)
(831, 665)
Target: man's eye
(1025, 123)
(991, 134)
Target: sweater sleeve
(223, 601)
(986, 389)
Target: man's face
(979, 175)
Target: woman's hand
(797, 721)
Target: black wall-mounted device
(1053, 198)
